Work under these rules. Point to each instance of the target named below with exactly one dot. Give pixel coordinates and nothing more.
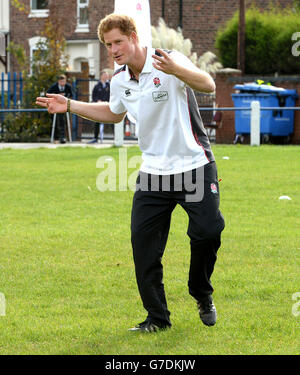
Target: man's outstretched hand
(55, 103)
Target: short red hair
(112, 21)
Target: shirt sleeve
(183, 60)
(115, 102)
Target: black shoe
(62, 141)
(148, 326)
(207, 311)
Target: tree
(269, 41)
(47, 63)
(165, 37)
(49, 58)
(297, 5)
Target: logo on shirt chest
(127, 92)
(156, 82)
(160, 96)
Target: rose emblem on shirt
(156, 82)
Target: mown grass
(66, 266)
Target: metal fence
(206, 102)
(11, 90)
(83, 89)
(11, 95)
(255, 110)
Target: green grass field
(66, 267)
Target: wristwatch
(68, 105)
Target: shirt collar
(147, 66)
(148, 63)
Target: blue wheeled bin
(273, 123)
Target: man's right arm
(98, 112)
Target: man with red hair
(156, 88)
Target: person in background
(100, 94)
(63, 88)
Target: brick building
(199, 20)
(4, 34)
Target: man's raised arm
(194, 77)
(98, 112)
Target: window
(82, 16)
(39, 8)
(39, 4)
(34, 44)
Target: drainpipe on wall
(163, 9)
(180, 13)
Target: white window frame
(38, 12)
(81, 28)
(32, 46)
(4, 15)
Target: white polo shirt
(169, 128)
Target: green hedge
(268, 42)
(25, 127)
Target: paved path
(24, 146)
